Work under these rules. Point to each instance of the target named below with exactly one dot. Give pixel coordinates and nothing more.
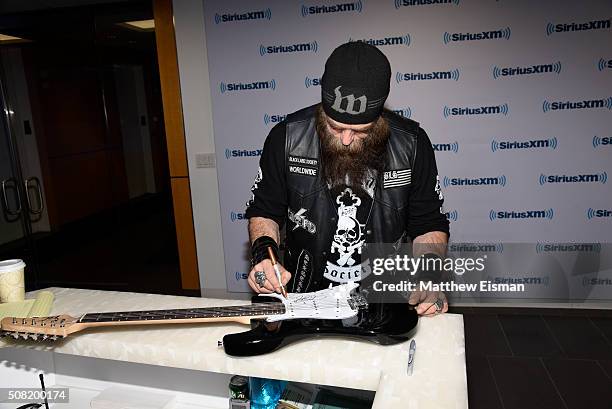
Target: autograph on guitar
(277, 321)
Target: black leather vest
(312, 211)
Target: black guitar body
(384, 324)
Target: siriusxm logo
(525, 214)
(569, 27)
(482, 110)
(498, 72)
(503, 33)
(405, 112)
(567, 247)
(312, 82)
(585, 178)
(273, 119)
(598, 213)
(427, 76)
(381, 42)
(237, 216)
(484, 181)
(293, 48)
(410, 3)
(241, 153)
(476, 247)
(550, 143)
(604, 64)
(520, 280)
(452, 215)
(335, 8)
(251, 86)
(446, 147)
(249, 15)
(585, 104)
(601, 141)
(240, 275)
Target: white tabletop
(438, 381)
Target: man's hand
(425, 302)
(271, 284)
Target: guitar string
(209, 312)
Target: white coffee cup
(12, 286)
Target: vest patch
(302, 170)
(303, 272)
(299, 160)
(299, 219)
(396, 178)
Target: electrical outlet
(205, 160)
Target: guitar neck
(241, 313)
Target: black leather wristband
(259, 249)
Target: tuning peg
(34, 337)
(45, 336)
(15, 335)
(24, 335)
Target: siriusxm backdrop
(516, 97)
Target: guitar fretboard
(263, 309)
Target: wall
(528, 144)
(197, 115)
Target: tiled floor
(540, 359)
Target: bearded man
(343, 173)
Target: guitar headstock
(38, 328)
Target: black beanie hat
(355, 83)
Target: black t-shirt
(269, 191)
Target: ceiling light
(10, 39)
(140, 25)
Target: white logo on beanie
(350, 103)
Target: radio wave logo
(240, 86)
(498, 72)
(452, 215)
(480, 181)
(405, 112)
(503, 33)
(571, 27)
(503, 109)
(446, 147)
(312, 82)
(312, 47)
(236, 216)
(249, 15)
(426, 76)
(524, 214)
(604, 64)
(567, 247)
(550, 143)
(381, 42)
(408, 3)
(357, 6)
(598, 213)
(584, 178)
(274, 119)
(571, 105)
(601, 141)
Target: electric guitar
(276, 321)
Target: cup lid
(10, 265)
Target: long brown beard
(354, 162)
